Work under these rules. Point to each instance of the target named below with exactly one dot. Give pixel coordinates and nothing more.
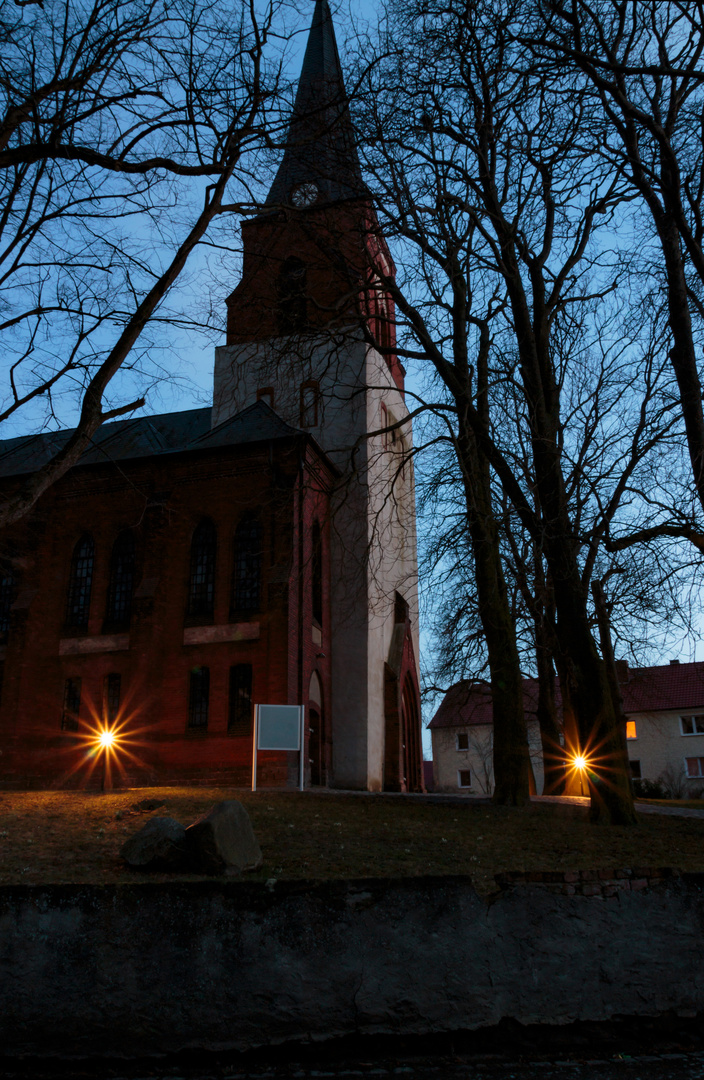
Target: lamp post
(107, 738)
(580, 763)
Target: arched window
(121, 584)
(201, 590)
(199, 699)
(317, 574)
(240, 717)
(309, 404)
(247, 577)
(291, 289)
(7, 596)
(80, 582)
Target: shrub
(650, 789)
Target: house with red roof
(664, 710)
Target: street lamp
(579, 762)
(106, 740)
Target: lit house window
(631, 729)
(694, 766)
(464, 778)
(692, 725)
(462, 740)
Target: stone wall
(152, 968)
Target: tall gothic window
(201, 591)
(112, 685)
(80, 582)
(309, 404)
(121, 580)
(291, 288)
(72, 704)
(240, 718)
(247, 577)
(7, 596)
(317, 574)
(199, 699)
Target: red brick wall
(162, 499)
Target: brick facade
(161, 501)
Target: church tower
(310, 329)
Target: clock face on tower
(304, 194)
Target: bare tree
(118, 118)
(481, 174)
(640, 62)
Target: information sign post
(278, 727)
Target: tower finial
(320, 162)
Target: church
(259, 551)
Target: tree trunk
(512, 769)
(553, 753)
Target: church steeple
(320, 163)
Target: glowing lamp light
(107, 739)
(580, 762)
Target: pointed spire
(320, 162)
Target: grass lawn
(73, 837)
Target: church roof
(320, 146)
(148, 436)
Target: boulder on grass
(159, 845)
(223, 841)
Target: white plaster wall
(660, 746)
(448, 760)
(373, 527)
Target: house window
(121, 580)
(266, 394)
(692, 725)
(464, 778)
(240, 717)
(72, 704)
(199, 699)
(7, 596)
(631, 729)
(201, 592)
(694, 766)
(291, 288)
(317, 574)
(635, 769)
(309, 404)
(80, 581)
(247, 577)
(112, 684)
(462, 740)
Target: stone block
(159, 845)
(223, 841)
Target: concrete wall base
(151, 968)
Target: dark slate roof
(651, 689)
(148, 436)
(320, 145)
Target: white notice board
(278, 727)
